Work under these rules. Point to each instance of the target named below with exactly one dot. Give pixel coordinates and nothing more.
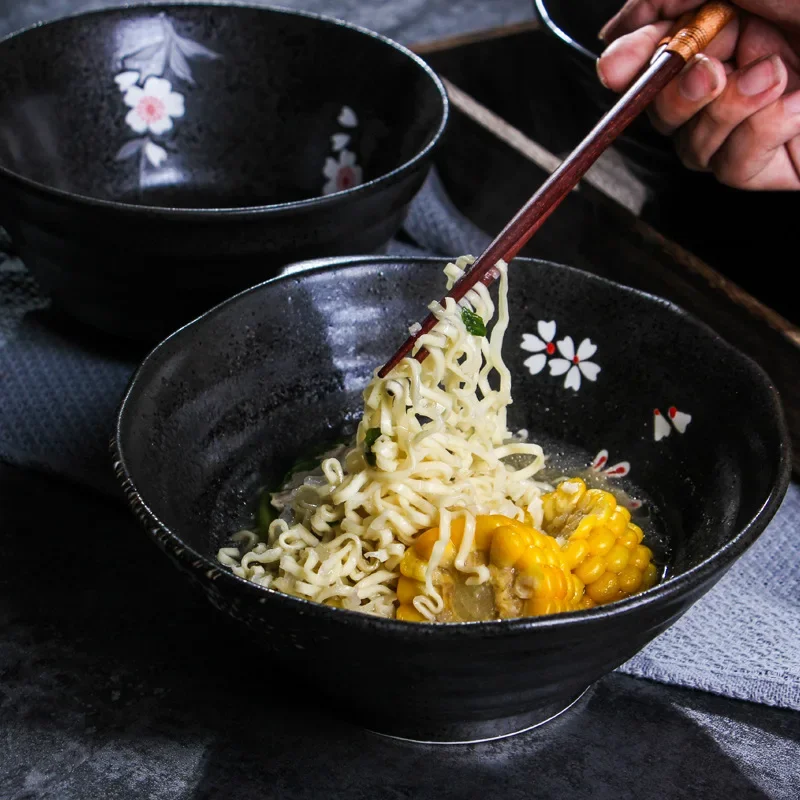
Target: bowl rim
(183, 212)
(696, 579)
(560, 33)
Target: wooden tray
(489, 168)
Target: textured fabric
(59, 397)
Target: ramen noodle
(423, 517)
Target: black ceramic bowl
(157, 159)
(229, 401)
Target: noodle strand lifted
(429, 453)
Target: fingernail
(600, 73)
(759, 76)
(700, 80)
(791, 103)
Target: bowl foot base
(480, 731)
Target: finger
(625, 58)
(764, 151)
(622, 61)
(682, 98)
(759, 38)
(636, 14)
(747, 91)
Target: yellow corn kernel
(602, 542)
(425, 542)
(585, 528)
(586, 602)
(408, 589)
(538, 606)
(598, 503)
(591, 569)
(408, 613)
(637, 530)
(630, 580)
(649, 576)
(628, 538)
(640, 557)
(508, 545)
(618, 521)
(485, 526)
(412, 566)
(617, 558)
(604, 589)
(531, 560)
(577, 589)
(575, 551)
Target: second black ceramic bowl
(157, 159)
(229, 402)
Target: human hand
(734, 110)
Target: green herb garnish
(473, 323)
(370, 438)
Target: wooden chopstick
(670, 58)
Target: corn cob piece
(601, 545)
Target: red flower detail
(672, 412)
(575, 360)
(346, 178)
(550, 349)
(656, 412)
(151, 109)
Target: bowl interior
(230, 402)
(209, 106)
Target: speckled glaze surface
(198, 148)
(227, 403)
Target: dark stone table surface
(118, 681)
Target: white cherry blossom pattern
(679, 419)
(600, 464)
(150, 96)
(153, 106)
(541, 346)
(342, 173)
(339, 141)
(347, 117)
(575, 363)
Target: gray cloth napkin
(59, 396)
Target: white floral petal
(133, 96)
(589, 369)
(155, 154)
(535, 364)
(126, 79)
(680, 419)
(162, 125)
(661, 427)
(329, 187)
(532, 343)
(600, 460)
(347, 117)
(157, 87)
(547, 330)
(586, 349)
(573, 379)
(567, 348)
(174, 105)
(331, 168)
(558, 366)
(339, 141)
(347, 158)
(134, 119)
